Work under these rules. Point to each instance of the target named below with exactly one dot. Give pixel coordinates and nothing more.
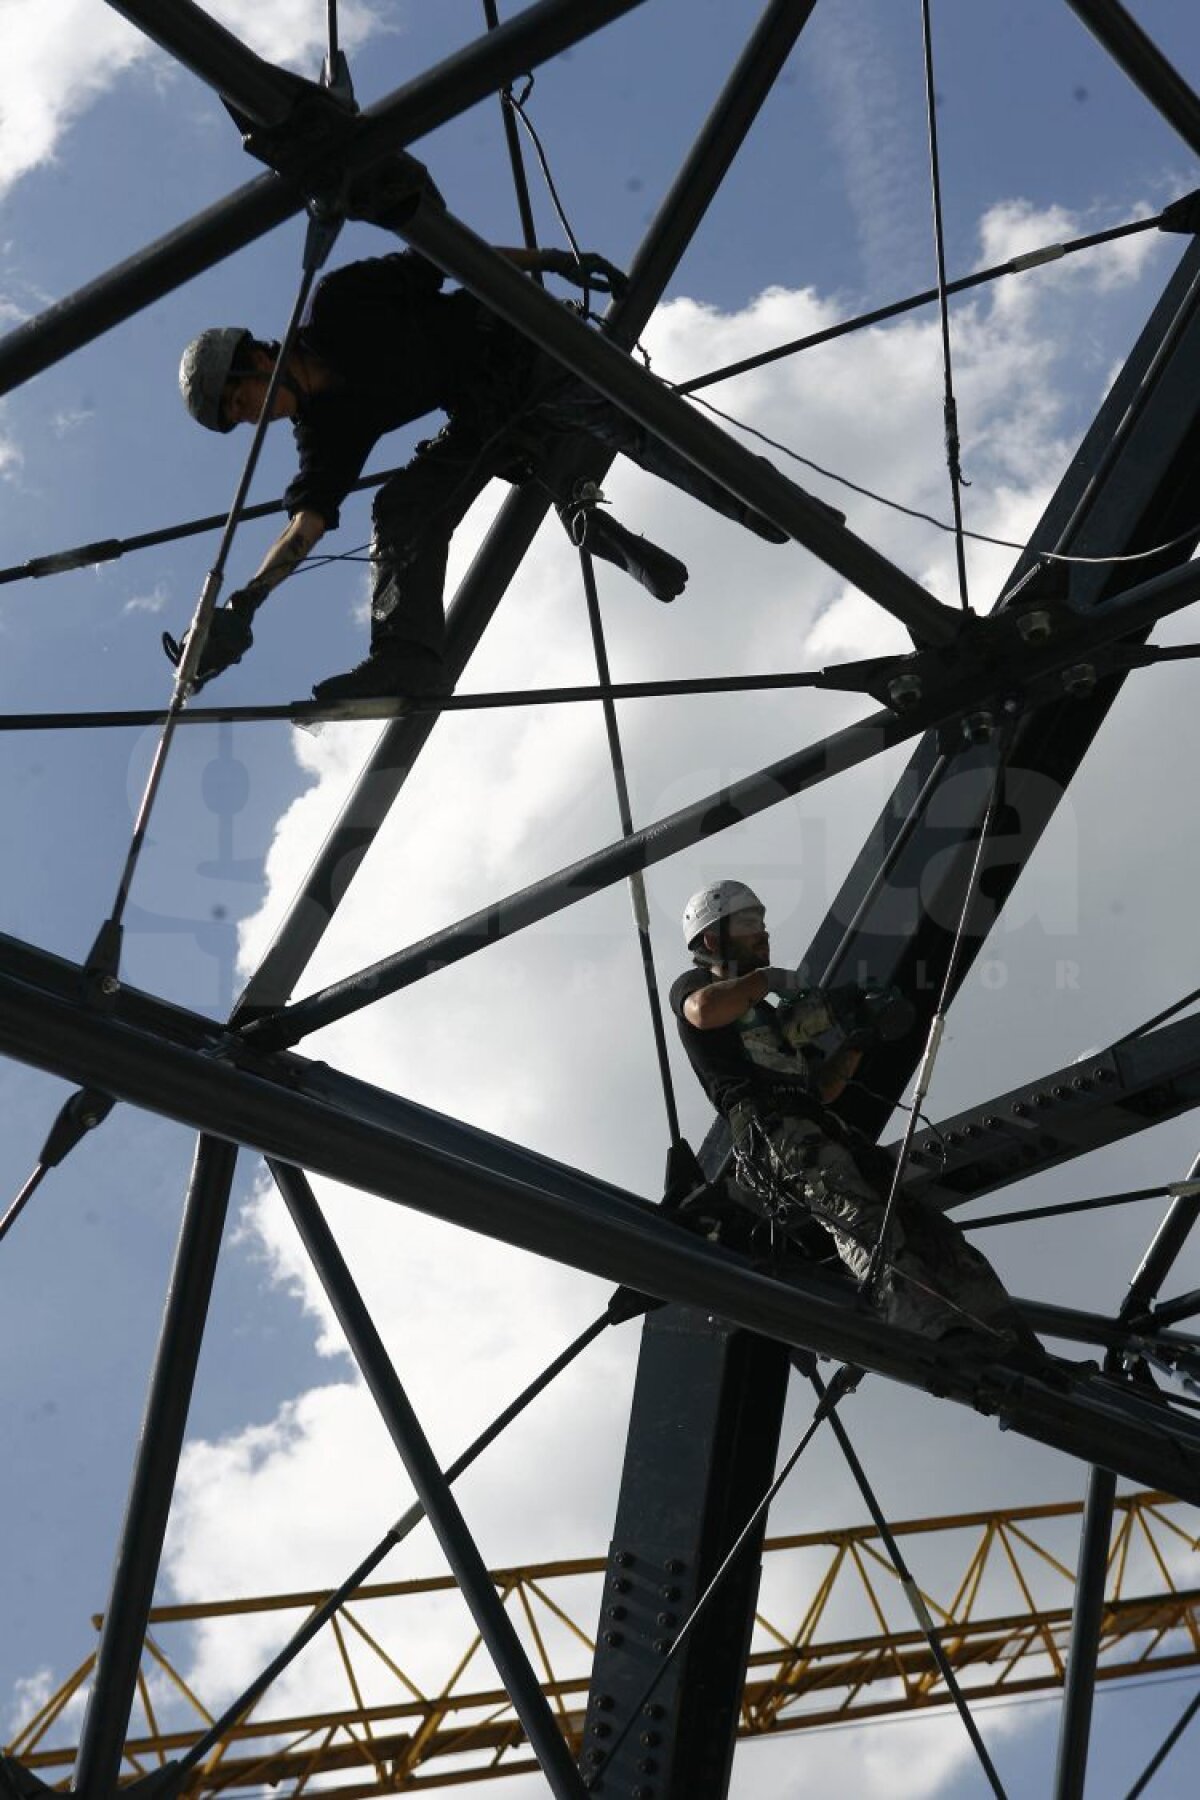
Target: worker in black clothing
(750, 1031)
(384, 345)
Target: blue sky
(827, 212)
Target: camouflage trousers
(932, 1280)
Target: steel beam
(449, 243)
(605, 1233)
(431, 1486)
(257, 88)
(102, 1739)
(487, 580)
(1145, 64)
(703, 1436)
(1129, 487)
(1086, 1619)
(450, 87)
(963, 688)
(1060, 1115)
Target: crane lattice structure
(1005, 700)
(1004, 1617)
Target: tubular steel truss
(1034, 680)
(846, 1652)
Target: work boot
(393, 669)
(660, 573)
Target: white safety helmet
(712, 904)
(207, 364)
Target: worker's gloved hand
(872, 1015)
(229, 638)
(785, 982)
(589, 270)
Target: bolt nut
(620, 1584)
(614, 1639)
(614, 1612)
(662, 1645)
(649, 1739)
(1036, 626)
(604, 1702)
(623, 1559)
(109, 984)
(601, 1728)
(1079, 680)
(978, 727)
(652, 1710)
(665, 1618)
(903, 692)
(673, 1566)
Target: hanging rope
(912, 1592)
(104, 959)
(513, 142)
(949, 404)
(637, 884)
(936, 1028)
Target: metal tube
(1164, 1249)
(1086, 1620)
(537, 33)
(742, 800)
(590, 875)
(303, 712)
(457, 250)
(307, 1115)
(257, 88)
(407, 1523)
(641, 913)
(105, 1723)
(433, 1489)
(1145, 65)
(486, 581)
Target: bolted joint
(978, 727)
(904, 692)
(1035, 626)
(1079, 680)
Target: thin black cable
(22, 1200)
(1164, 1750)
(1017, 265)
(395, 1535)
(1167, 1013)
(843, 1382)
(937, 1024)
(637, 881)
(1069, 1206)
(949, 404)
(911, 1591)
(914, 512)
(515, 159)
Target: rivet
(613, 1639)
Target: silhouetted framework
(1038, 675)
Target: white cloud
(151, 602)
(60, 56)
(544, 1039)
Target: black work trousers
(933, 1280)
(522, 425)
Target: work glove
(590, 270)
(872, 1015)
(229, 638)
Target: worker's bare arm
(721, 1002)
(286, 554)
